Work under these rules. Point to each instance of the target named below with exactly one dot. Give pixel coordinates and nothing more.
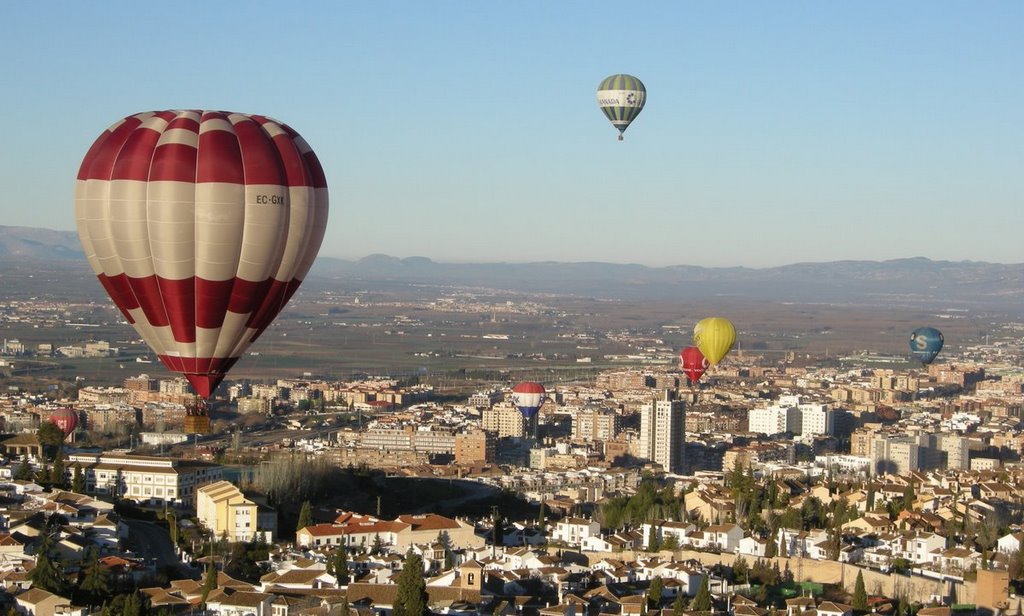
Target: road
(474, 491)
(152, 543)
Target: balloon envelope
(714, 336)
(528, 397)
(621, 98)
(66, 420)
(925, 343)
(693, 363)
(200, 225)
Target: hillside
(917, 281)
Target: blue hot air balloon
(925, 343)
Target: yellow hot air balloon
(714, 336)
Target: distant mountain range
(906, 282)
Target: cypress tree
(702, 600)
(209, 581)
(58, 479)
(78, 480)
(860, 594)
(411, 595)
(305, 516)
(654, 592)
(678, 606)
(341, 567)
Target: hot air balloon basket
(197, 424)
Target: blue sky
(774, 132)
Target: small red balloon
(66, 420)
(693, 363)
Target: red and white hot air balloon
(693, 363)
(66, 419)
(528, 397)
(200, 225)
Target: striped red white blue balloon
(528, 397)
(200, 225)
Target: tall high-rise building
(662, 433)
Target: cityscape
(512, 309)
(800, 468)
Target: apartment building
(226, 512)
(503, 419)
(145, 479)
(595, 424)
(662, 436)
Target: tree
(499, 531)
(209, 581)
(772, 547)
(340, 566)
(860, 594)
(24, 472)
(679, 606)
(740, 570)
(51, 438)
(58, 476)
(305, 516)
(909, 497)
(411, 594)
(78, 480)
(670, 543)
(702, 600)
(542, 514)
(652, 539)
(42, 476)
(48, 573)
(172, 527)
(378, 545)
(654, 592)
(132, 605)
(1015, 566)
(95, 582)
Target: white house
(724, 537)
(573, 531)
(752, 546)
(1008, 544)
(665, 529)
(241, 603)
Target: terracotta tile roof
(427, 521)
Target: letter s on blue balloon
(925, 343)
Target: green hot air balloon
(621, 98)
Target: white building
(573, 531)
(145, 479)
(816, 419)
(774, 420)
(662, 433)
(790, 414)
(895, 454)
